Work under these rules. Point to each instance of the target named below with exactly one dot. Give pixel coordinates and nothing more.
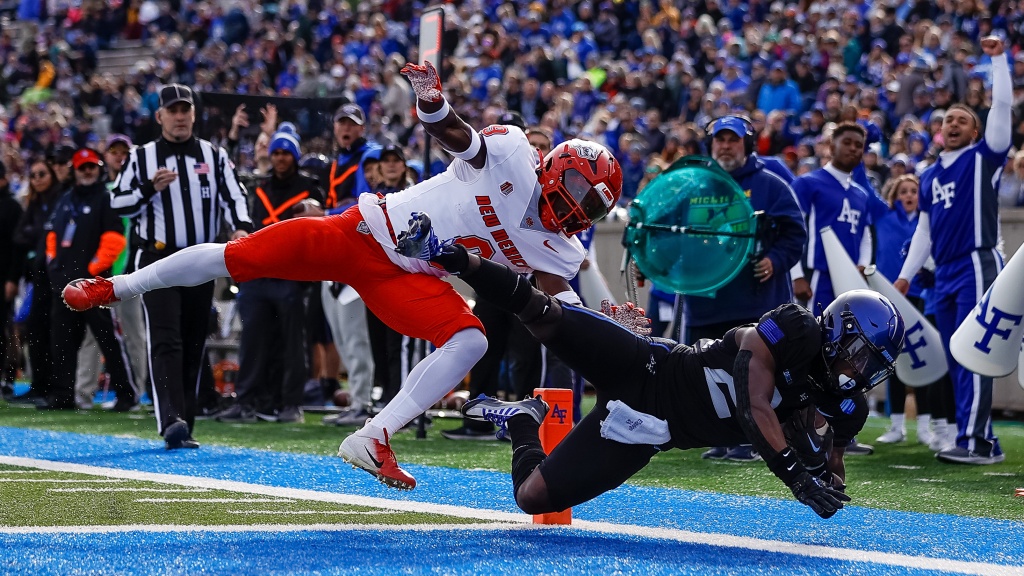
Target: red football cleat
(377, 458)
(85, 293)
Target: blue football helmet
(863, 334)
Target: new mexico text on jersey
(493, 212)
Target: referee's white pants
(352, 339)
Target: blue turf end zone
(555, 552)
(476, 552)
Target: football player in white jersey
(495, 199)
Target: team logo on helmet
(606, 193)
(584, 150)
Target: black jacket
(275, 198)
(10, 213)
(83, 236)
(30, 235)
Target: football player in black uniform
(775, 384)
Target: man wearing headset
(764, 284)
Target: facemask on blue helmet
(863, 335)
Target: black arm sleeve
(741, 377)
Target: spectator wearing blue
(346, 179)
(765, 284)
(734, 79)
(894, 231)
(536, 34)
(633, 166)
(486, 70)
(584, 43)
(779, 92)
(831, 196)
(959, 228)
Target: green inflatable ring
(692, 228)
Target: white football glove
(629, 315)
(425, 81)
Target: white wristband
(569, 297)
(431, 117)
(471, 152)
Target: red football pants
(332, 249)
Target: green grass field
(897, 477)
(49, 498)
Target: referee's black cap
(174, 93)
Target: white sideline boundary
(495, 520)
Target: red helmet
(579, 182)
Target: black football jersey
(700, 393)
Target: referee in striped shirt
(177, 189)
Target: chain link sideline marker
(553, 429)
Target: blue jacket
(893, 233)
(746, 298)
(785, 96)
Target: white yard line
(209, 500)
(162, 528)
(701, 538)
(126, 489)
(307, 512)
(57, 481)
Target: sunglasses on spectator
(38, 174)
(89, 166)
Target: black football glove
(811, 447)
(453, 258)
(822, 498)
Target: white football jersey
(492, 212)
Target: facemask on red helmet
(580, 181)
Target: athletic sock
(191, 266)
(527, 453)
(499, 285)
(429, 381)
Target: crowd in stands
(643, 78)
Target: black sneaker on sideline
(958, 455)
(125, 405)
(236, 414)
(56, 404)
(855, 448)
(27, 399)
(291, 415)
(266, 415)
(742, 453)
(716, 453)
(207, 412)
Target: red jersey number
(494, 129)
(476, 245)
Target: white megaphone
(988, 341)
(923, 359)
(593, 287)
(1020, 373)
(841, 269)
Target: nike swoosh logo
(813, 445)
(791, 466)
(376, 462)
(552, 248)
